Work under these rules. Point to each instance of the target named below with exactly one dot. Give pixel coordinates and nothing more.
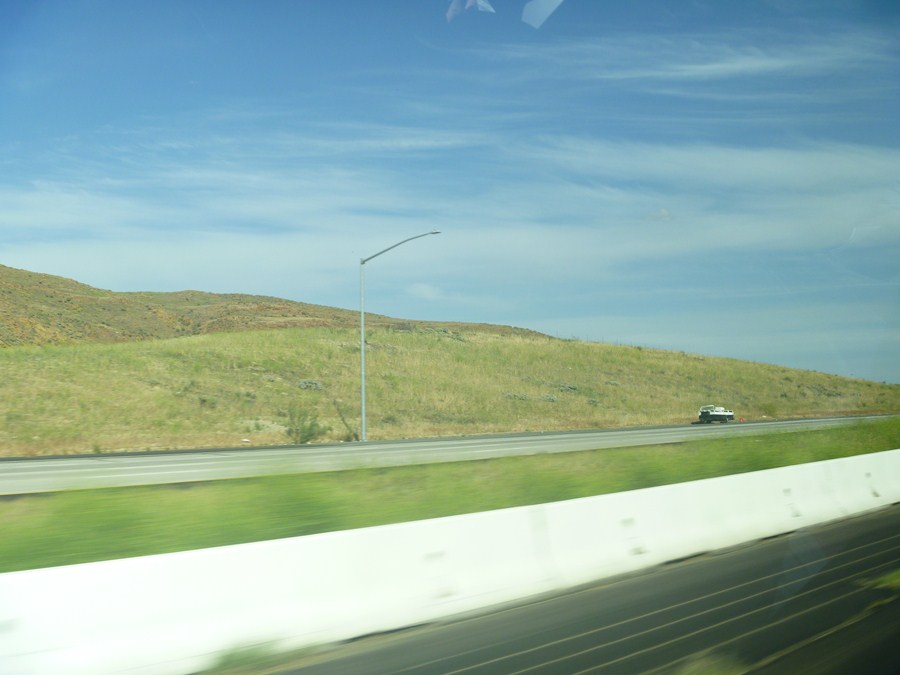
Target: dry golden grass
(230, 389)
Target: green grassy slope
(88, 370)
(234, 388)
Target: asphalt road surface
(49, 474)
(800, 603)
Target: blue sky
(713, 177)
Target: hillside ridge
(149, 371)
(40, 309)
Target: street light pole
(362, 329)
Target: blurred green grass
(90, 525)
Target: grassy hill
(40, 309)
(234, 388)
(44, 309)
(96, 391)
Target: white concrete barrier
(176, 613)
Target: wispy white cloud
(265, 181)
(578, 184)
(811, 195)
(701, 57)
(584, 209)
(60, 207)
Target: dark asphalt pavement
(794, 604)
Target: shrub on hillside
(303, 427)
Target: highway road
(794, 604)
(50, 474)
